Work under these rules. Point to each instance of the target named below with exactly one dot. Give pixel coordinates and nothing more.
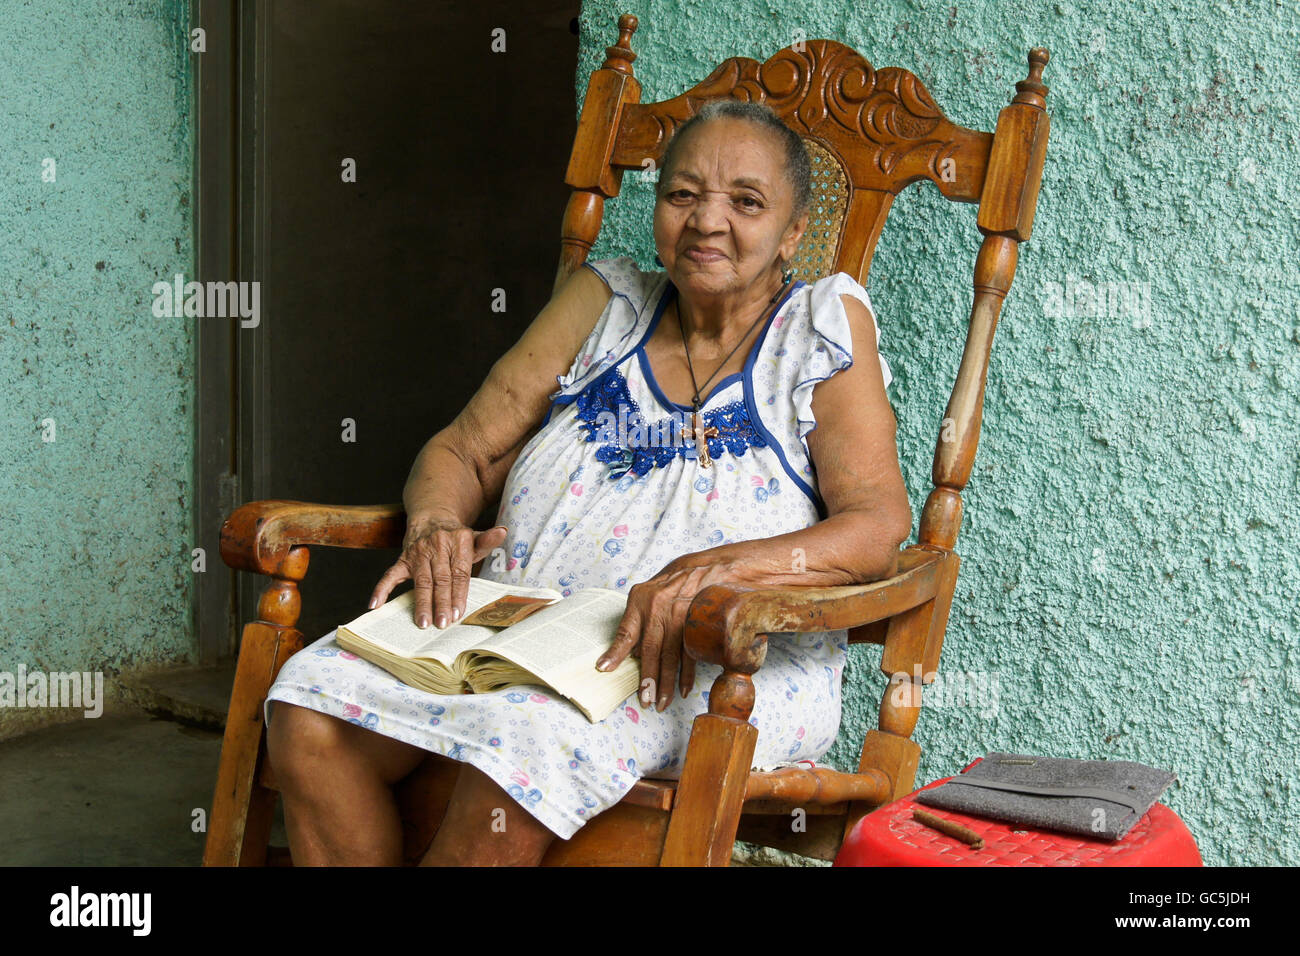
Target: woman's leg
(485, 826)
(336, 780)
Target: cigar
(949, 828)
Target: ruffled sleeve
(830, 346)
(615, 332)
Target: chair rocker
(870, 133)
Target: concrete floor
(122, 789)
(116, 791)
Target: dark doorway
(375, 294)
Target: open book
(509, 635)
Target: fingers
(485, 542)
(674, 660)
(394, 576)
(653, 626)
(653, 635)
(424, 560)
(681, 608)
(688, 674)
(462, 560)
(670, 657)
(445, 551)
(625, 638)
(440, 561)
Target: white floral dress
(603, 496)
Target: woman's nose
(708, 214)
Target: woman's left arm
(855, 453)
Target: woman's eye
(749, 202)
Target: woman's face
(722, 214)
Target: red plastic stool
(890, 837)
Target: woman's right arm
(463, 468)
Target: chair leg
(897, 756)
(706, 811)
(239, 825)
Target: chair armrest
(259, 536)
(728, 624)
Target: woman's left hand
(654, 624)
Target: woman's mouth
(704, 255)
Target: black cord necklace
(697, 431)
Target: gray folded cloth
(1101, 799)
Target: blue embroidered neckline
(630, 443)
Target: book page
(564, 640)
(392, 626)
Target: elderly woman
(779, 468)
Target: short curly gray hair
(798, 167)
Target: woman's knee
(300, 742)
(485, 826)
(306, 746)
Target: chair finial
(1031, 90)
(620, 56)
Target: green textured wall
(1131, 547)
(95, 527)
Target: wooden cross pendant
(701, 436)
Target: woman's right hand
(439, 555)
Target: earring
(787, 276)
(659, 262)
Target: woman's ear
(793, 233)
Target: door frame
(228, 182)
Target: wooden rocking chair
(870, 132)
